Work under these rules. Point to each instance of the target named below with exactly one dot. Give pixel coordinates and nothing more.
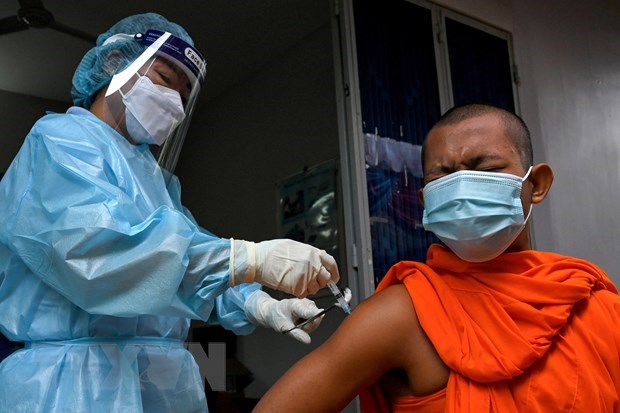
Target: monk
(486, 324)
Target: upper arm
(371, 341)
(109, 241)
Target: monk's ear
(541, 178)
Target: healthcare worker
(101, 267)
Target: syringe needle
(339, 297)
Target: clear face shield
(152, 100)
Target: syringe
(342, 302)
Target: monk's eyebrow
(442, 168)
(471, 163)
(482, 158)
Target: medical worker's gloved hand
(282, 264)
(282, 315)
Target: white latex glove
(282, 264)
(282, 315)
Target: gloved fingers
(313, 325)
(312, 287)
(300, 335)
(329, 263)
(293, 267)
(258, 306)
(307, 309)
(303, 308)
(323, 276)
(302, 291)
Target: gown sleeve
(93, 221)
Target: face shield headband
(138, 92)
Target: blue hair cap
(103, 61)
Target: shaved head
(514, 126)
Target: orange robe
(526, 332)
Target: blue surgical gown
(101, 270)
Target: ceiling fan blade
(11, 25)
(33, 14)
(73, 32)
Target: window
(414, 61)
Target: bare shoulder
(381, 335)
(389, 312)
(379, 326)
(417, 366)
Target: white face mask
(152, 112)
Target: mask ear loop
(523, 180)
(528, 214)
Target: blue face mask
(476, 214)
